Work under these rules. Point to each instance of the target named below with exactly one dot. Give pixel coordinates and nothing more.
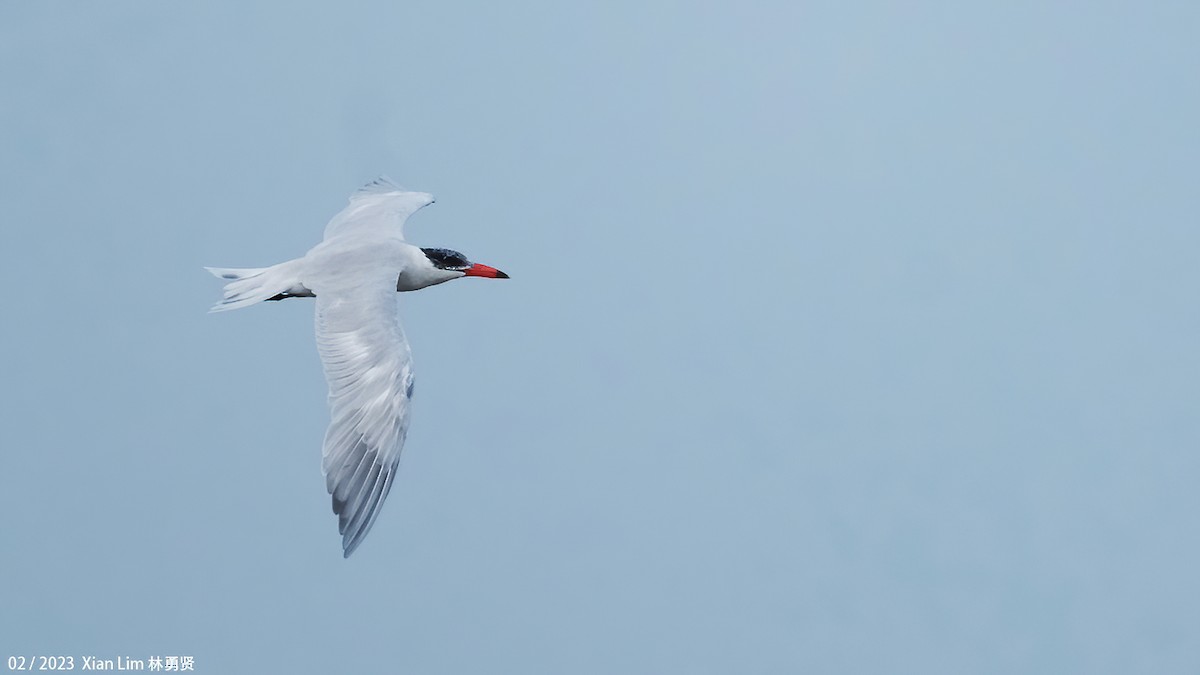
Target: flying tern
(353, 274)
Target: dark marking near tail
(409, 391)
(229, 276)
(285, 296)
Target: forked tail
(251, 286)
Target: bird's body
(354, 274)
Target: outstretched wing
(376, 207)
(368, 366)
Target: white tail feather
(251, 286)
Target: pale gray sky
(841, 338)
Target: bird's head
(441, 265)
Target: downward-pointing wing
(368, 366)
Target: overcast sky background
(841, 337)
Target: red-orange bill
(478, 270)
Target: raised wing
(368, 366)
(377, 207)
